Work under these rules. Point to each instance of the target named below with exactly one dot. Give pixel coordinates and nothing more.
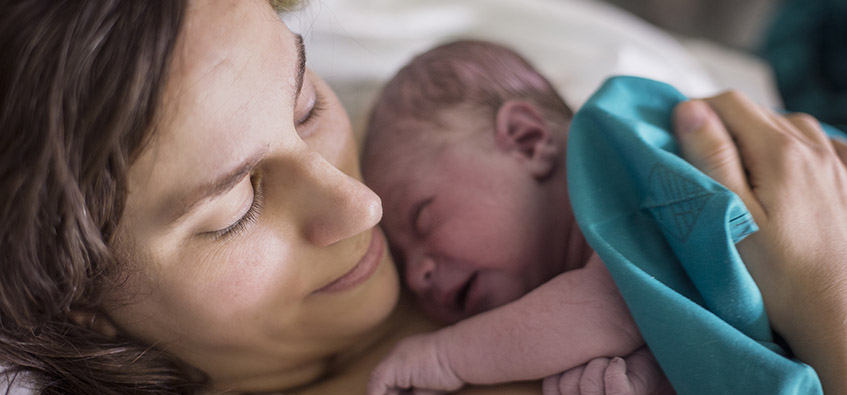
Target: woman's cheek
(256, 275)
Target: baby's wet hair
(471, 73)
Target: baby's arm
(566, 322)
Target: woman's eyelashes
(249, 218)
(316, 105)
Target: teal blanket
(667, 233)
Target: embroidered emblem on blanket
(674, 201)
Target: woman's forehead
(232, 78)
(237, 34)
(215, 29)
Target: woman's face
(250, 244)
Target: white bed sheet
(356, 45)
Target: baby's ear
(522, 130)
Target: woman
(189, 213)
(182, 208)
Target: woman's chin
(379, 298)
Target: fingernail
(691, 116)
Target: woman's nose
(419, 273)
(337, 206)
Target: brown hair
(80, 85)
(477, 73)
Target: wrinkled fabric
(667, 233)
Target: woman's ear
(522, 130)
(98, 322)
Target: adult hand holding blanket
(667, 233)
(792, 178)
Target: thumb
(616, 380)
(705, 143)
(643, 373)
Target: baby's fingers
(563, 384)
(616, 380)
(550, 385)
(593, 381)
(380, 384)
(638, 374)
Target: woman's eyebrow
(230, 179)
(189, 202)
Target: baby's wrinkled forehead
(400, 144)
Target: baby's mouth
(461, 301)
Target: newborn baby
(466, 148)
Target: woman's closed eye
(308, 110)
(248, 218)
(315, 106)
(304, 124)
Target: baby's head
(466, 146)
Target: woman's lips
(363, 270)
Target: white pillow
(356, 45)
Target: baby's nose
(420, 273)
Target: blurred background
(739, 24)
(803, 43)
(784, 54)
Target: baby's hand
(638, 374)
(417, 363)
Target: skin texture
(407, 321)
(639, 373)
(793, 180)
(249, 309)
(478, 207)
(246, 308)
(488, 212)
(560, 325)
